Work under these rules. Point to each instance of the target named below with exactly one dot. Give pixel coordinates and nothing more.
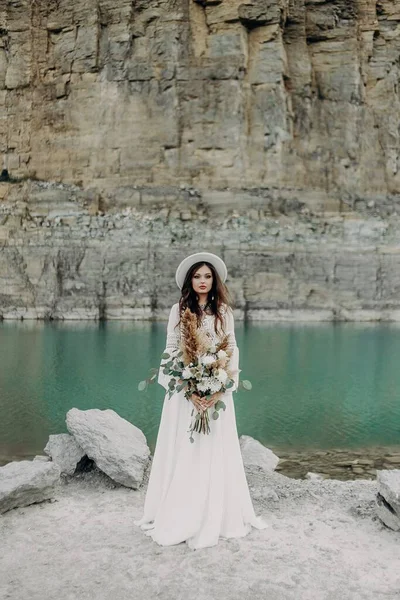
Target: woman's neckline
(223, 311)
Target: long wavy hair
(217, 297)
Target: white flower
(221, 375)
(186, 373)
(209, 385)
(207, 360)
(203, 386)
(212, 348)
(221, 354)
(215, 385)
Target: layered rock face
(299, 94)
(265, 131)
(63, 257)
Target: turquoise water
(315, 386)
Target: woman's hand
(214, 398)
(202, 403)
(197, 401)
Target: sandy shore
(323, 542)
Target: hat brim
(189, 261)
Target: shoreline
(340, 464)
(334, 315)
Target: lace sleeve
(173, 333)
(172, 343)
(234, 361)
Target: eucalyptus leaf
(215, 415)
(220, 404)
(142, 386)
(165, 355)
(247, 384)
(229, 383)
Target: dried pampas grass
(203, 341)
(224, 343)
(196, 341)
(189, 336)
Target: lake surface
(315, 386)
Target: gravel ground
(323, 542)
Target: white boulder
(26, 482)
(316, 476)
(388, 498)
(64, 451)
(118, 448)
(255, 454)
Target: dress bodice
(207, 324)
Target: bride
(198, 492)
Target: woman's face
(202, 280)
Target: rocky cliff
(126, 125)
(299, 94)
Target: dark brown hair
(218, 296)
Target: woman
(197, 492)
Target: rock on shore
(118, 448)
(26, 482)
(388, 498)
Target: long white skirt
(197, 492)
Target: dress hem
(147, 526)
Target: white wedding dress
(197, 492)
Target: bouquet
(199, 366)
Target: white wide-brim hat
(189, 261)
